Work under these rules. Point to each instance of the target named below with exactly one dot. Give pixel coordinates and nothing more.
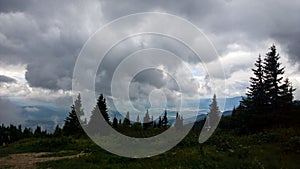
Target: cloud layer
(40, 42)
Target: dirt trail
(29, 160)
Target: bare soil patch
(29, 160)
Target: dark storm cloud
(292, 42)
(48, 35)
(14, 5)
(231, 21)
(6, 79)
(190, 8)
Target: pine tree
(57, 131)
(214, 112)
(38, 131)
(138, 118)
(268, 98)
(178, 121)
(126, 121)
(286, 95)
(272, 76)
(72, 123)
(137, 125)
(103, 108)
(256, 92)
(159, 124)
(165, 119)
(27, 133)
(146, 122)
(96, 121)
(115, 122)
(78, 108)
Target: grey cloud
(189, 8)
(48, 35)
(7, 79)
(152, 77)
(14, 5)
(118, 54)
(244, 22)
(47, 40)
(9, 113)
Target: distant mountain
(227, 113)
(45, 116)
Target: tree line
(74, 123)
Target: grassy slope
(278, 148)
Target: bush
(292, 145)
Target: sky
(41, 40)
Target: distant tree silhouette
(138, 118)
(57, 132)
(5, 139)
(137, 124)
(115, 122)
(126, 121)
(178, 121)
(38, 131)
(27, 133)
(103, 108)
(147, 120)
(152, 122)
(159, 124)
(78, 109)
(214, 111)
(165, 119)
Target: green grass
(270, 149)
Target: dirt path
(29, 160)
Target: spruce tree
(159, 124)
(72, 124)
(137, 124)
(178, 121)
(272, 77)
(103, 108)
(214, 112)
(138, 118)
(78, 108)
(256, 92)
(115, 122)
(57, 131)
(268, 98)
(126, 121)
(38, 131)
(96, 121)
(146, 122)
(286, 95)
(165, 119)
